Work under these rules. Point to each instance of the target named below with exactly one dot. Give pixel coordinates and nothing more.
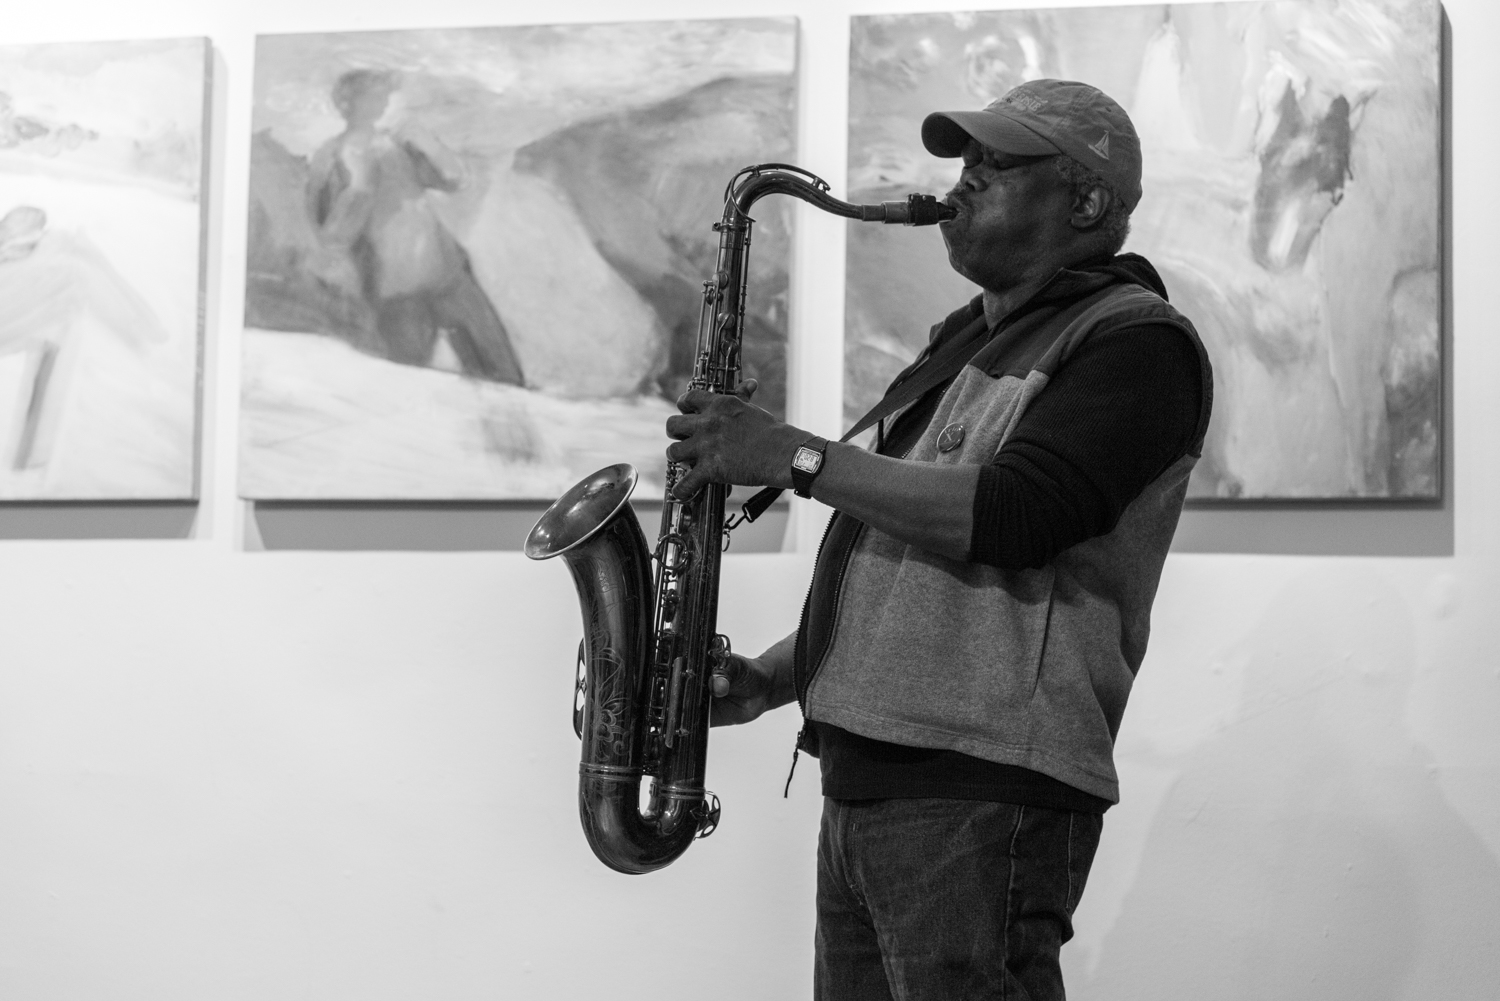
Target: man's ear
(1089, 208)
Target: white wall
(235, 774)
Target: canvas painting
(476, 256)
(1291, 177)
(102, 175)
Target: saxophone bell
(582, 512)
(619, 722)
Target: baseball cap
(1042, 117)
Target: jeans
(946, 899)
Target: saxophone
(641, 707)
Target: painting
(1291, 173)
(102, 177)
(476, 256)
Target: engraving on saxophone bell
(650, 636)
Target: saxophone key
(669, 727)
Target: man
(982, 598)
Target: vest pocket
(952, 647)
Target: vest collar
(1071, 284)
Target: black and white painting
(476, 255)
(1291, 176)
(102, 172)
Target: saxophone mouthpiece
(917, 210)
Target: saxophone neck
(755, 182)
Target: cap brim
(946, 133)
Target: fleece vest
(1027, 667)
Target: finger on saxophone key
(719, 682)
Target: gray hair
(1115, 226)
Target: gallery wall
(231, 770)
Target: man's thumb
(729, 674)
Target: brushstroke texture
(1291, 205)
(586, 171)
(101, 165)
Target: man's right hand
(743, 688)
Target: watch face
(807, 459)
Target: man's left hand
(727, 439)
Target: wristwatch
(807, 463)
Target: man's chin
(963, 272)
(956, 252)
(952, 237)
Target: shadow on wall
(448, 527)
(120, 520)
(1305, 850)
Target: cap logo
(1102, 146)
(1025, 102)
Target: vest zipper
(799, 655)
(838, 594)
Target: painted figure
(382, 239)
(48, 281)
